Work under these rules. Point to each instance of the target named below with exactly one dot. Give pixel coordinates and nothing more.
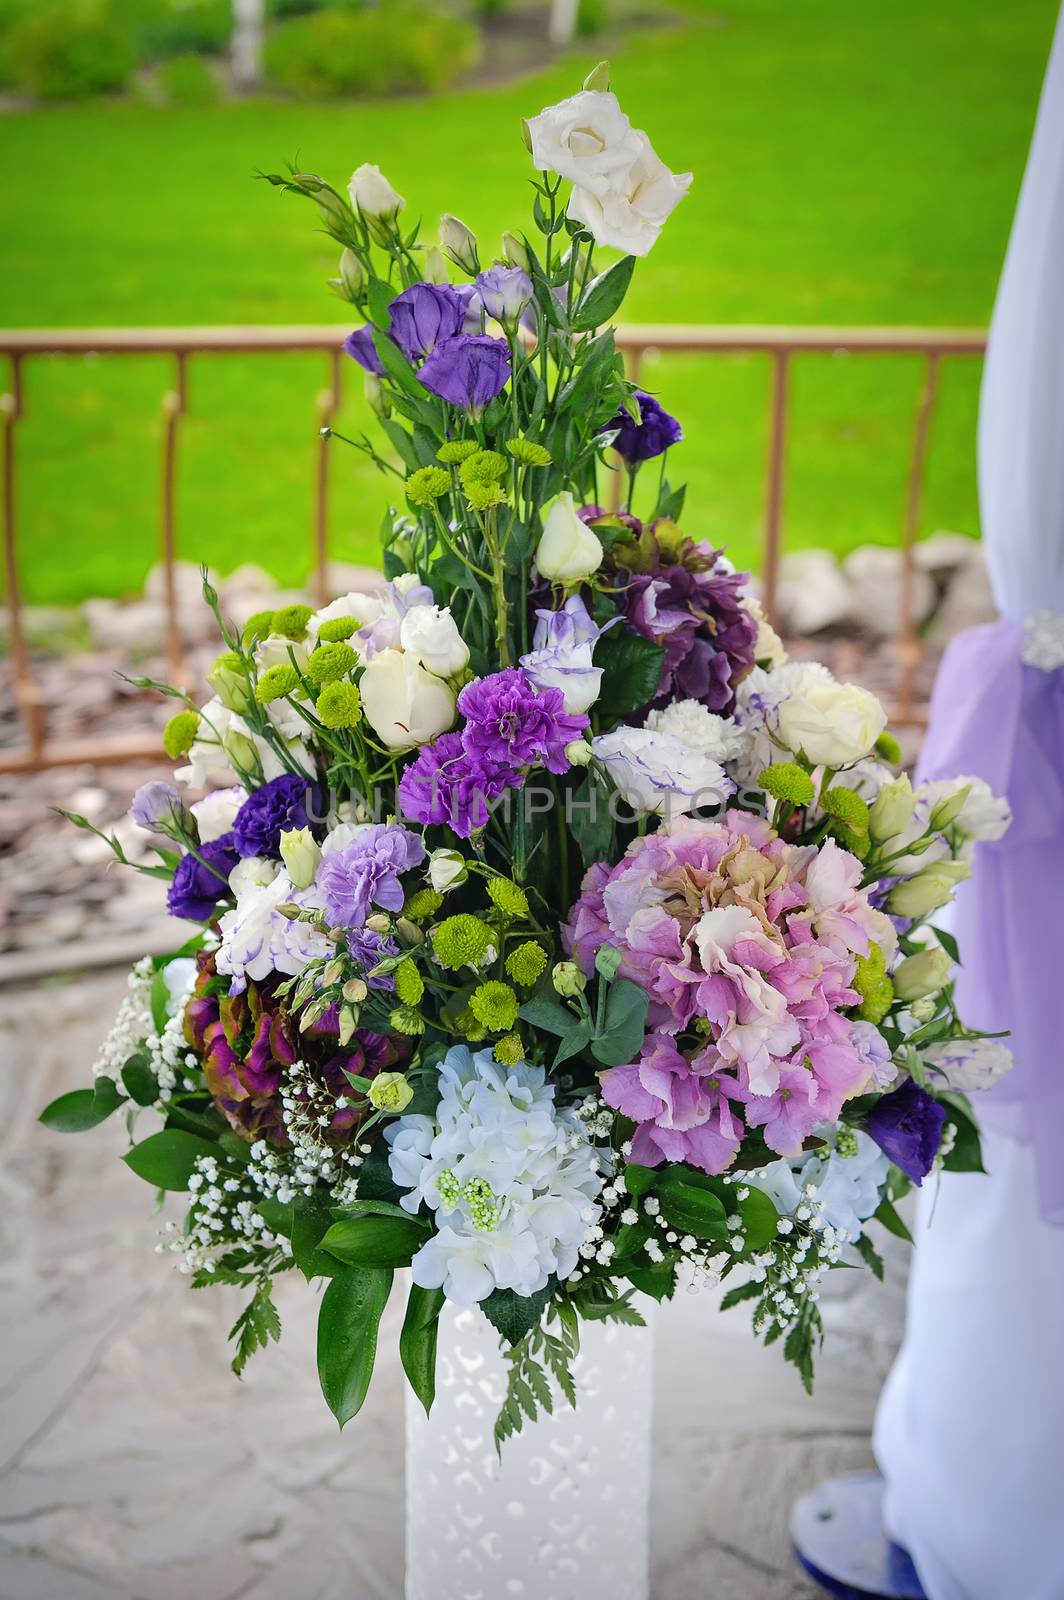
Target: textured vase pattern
(563, 1516)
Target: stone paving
(133, 1466)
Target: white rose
(769, 647)
(831, 723)
(586, 138)
(216, 812)
(630, 214)
(431, 634)
(689, 721)
(402, 702)
(447, 869)
(658, 773)
(568, 551)
(372, 194)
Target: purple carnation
(652, 436)
(511, 723)
(468, 370)
(907, 1126)
(447, 785)
(708, 634)
(360, 346)
(366, 872)
(201, 880)
(423, 316)
(268, 812)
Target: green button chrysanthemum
(533, 455)
(256, 628)
(508, 897)
(461, 940)
(527, 964)
(409, 984)
(339, 705)
(179, 733)
(509, 1050)
(485, 466)
(847, 806)
(330, 662)
(291, 621)
(787, 781)
(427, 485)
(275, 682)
(495, 1005)
(335, 629)
(422, 904)
(456, 451)
(873, 984)
(404, 1019)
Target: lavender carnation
(268, 812)
(642, 441)
(907, 1126)
(447, 785)
(201, 880)
(511, 723)
(366, 872)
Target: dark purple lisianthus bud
(907, 1126)
(641, 441)
(360, 345)
(468, 370)
(268, 812)
(158, 805)
(423, 316)
(505, 292)
(202, 879)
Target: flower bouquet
(556, 937)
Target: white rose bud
(404, 703)
(372, 195)
(568, 551)
(922, 974)
(891, 809)
(431, 634)
(459, 244)
(929, 890)
(301, 854)
(950, 808)
(447, 869)
(830, 723)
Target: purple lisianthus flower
(366, 872)
(708, 634)
(359, 345)
(907, 1126)
(505, 292)
(512, 723)
(158, 806)
(652, 436)
(423, 316)
(268, 812)
(468, 370)
(447, 785)
(201, 880)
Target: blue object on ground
(838, 1536)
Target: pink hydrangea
(746, 946)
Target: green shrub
(67, 53)
(163, 28)
(393, 49)
(591, 18)
(187, 81)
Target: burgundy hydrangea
(201, 880)
(446, 785)
(907, 1126)
(509, 722)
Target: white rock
(138, 626)
(249, 578)
(874, 572)
(943, 553)
(969, 599)
(812, 592)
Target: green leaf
(631, 672)
(311, 1221)
(626, 1015)
(572, 1043)
(167, 1160)
(82, 1108)
(374, 1241)
(140, 1082)
(967, 1152)
(745, 1291)
(691, 1208)
(348, 1322)
(759, 1219)
(603, 295)
(949, 944)
(256, 1325)
(870, 1255)
(658, 1280)
(542, 1012)
(589, 819)
(889, 1217)
(160, 1000)
(396, 365)
(380, 296)
(417, 1341)
(514, 1315)
(637, 1179)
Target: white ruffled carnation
(509, 1175)
(216, 812)
(657, 772)
(256, 939)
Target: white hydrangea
(969, 1065)
(847, 1187)
(511, 1177)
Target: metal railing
(780, 345)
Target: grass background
(855, 163)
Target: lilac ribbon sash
(994, 717)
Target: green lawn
(854, 163)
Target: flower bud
(301, 854)
(607, 961)
(567, 978)
(515, 252)
(459, 244)
(372, 195)
(379, 922)
(240, 750)
(390, 1091)
(922, 974)
(568, 551)
(435, 268)
(923, 1010)
(932, 887)
(352, 275)
(579, 753)
(891, 809)
(230, 683)
(447, 869)
(949, 809)
(376, 397)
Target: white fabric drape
(970, 1430)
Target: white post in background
(562, 25)
(246, 50)
(564, 1515)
